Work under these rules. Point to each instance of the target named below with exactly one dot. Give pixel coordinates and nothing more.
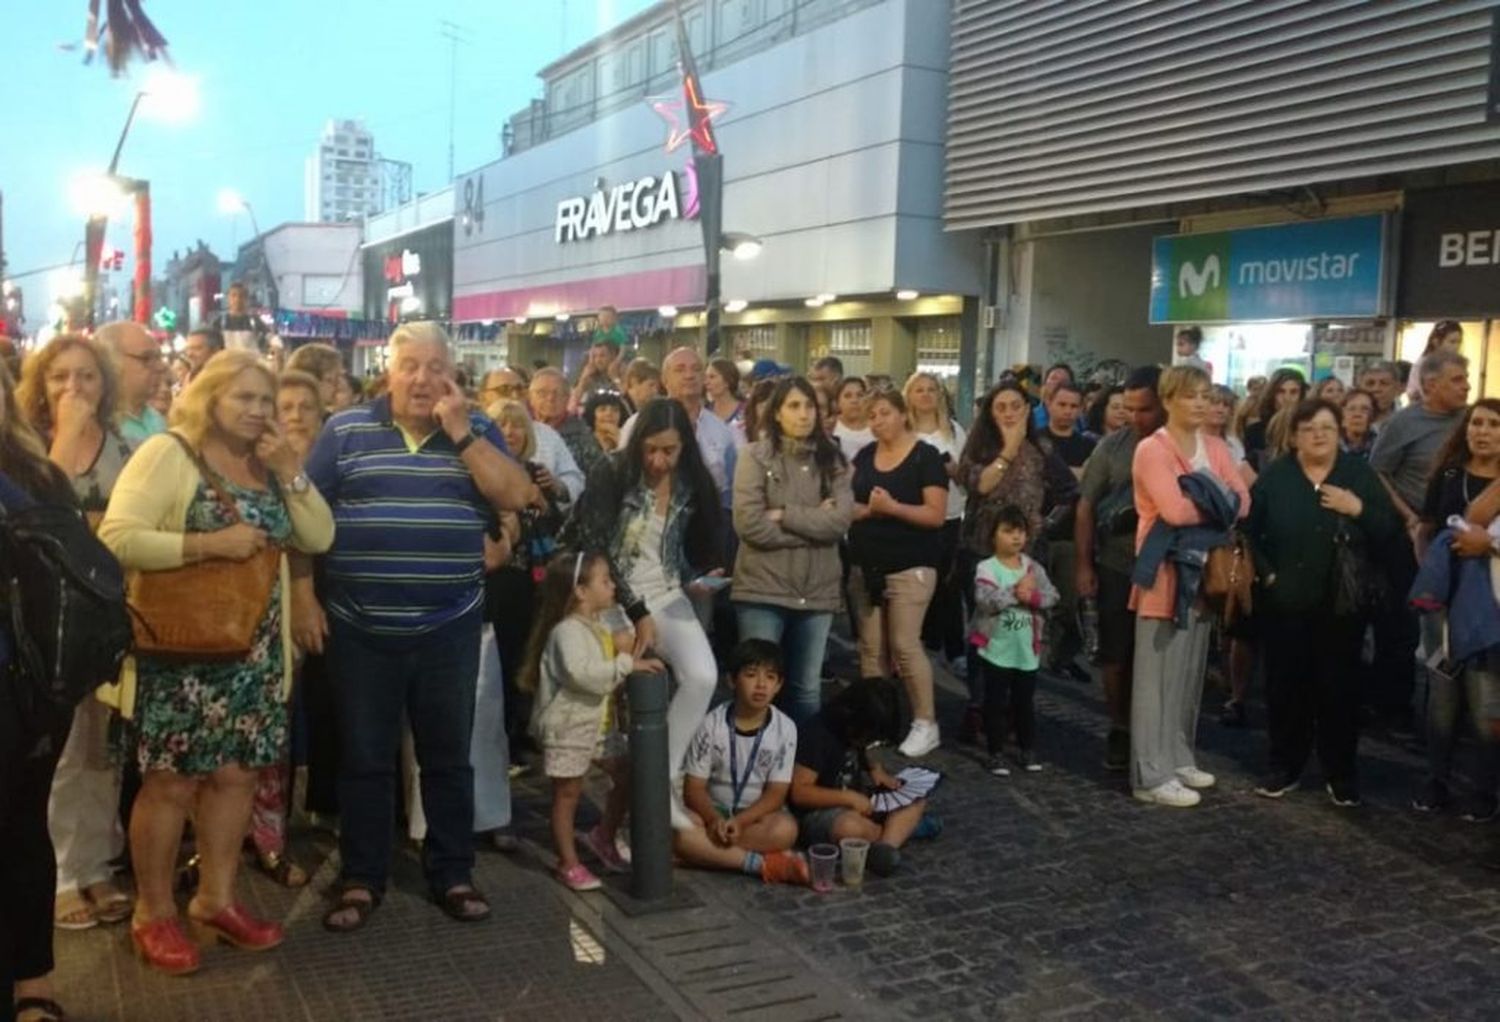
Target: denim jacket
(603, 519)
(1187, 547)
(1462, 584)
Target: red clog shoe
(163, 946)
(234, 925)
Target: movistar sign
(1312, 270)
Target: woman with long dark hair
(28, 754)
(653, 509)
(1467, 464)
(1284, 391)
(1004, 463)
(792, 505)
(895, 547)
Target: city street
(1047, 895)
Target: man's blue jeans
(803, 637)
(428, 681)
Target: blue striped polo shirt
(408, 547)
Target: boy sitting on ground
(736, 776)
(834, 771)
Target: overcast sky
(270, 74)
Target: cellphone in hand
(713, 583)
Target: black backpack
(64, 596)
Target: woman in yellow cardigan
(202, 730)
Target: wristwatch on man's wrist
(298, 484)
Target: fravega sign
(632, 205)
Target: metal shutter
(1065, 107)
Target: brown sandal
(456, 900)
(281, 869)
(361, 907)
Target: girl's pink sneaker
(578, 878)
(605, 851)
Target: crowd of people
(464, 573)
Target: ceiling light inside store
(563, 317)
(667, 311)
(741, 246)
(813, 303)
(906, 295)
(735, 305)
(825, 298)
(520, 321)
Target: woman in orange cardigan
(1169, 661)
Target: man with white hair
(140, 369)
(682, 378)
(413, 479)
(547, 397)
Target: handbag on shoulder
(1228, 577)
(208, 611)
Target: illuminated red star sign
(700, 114)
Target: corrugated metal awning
(1067, 107)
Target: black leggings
(1008, 696)
(28, 869)
(943, 627)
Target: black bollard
(650, 793)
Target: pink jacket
(1157, 465)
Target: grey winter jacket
(793, 563)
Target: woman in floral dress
(204, 729)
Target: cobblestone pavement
(1048, 895)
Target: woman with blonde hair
(929, 413)
(68, 394)
(222, 485)
(1172, 629)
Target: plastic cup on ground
(823, 859)
(852, 852)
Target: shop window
(851, 338)
(759, 341)
(938, 340)
(1412, 341)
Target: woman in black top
(900, 500)
(28, 756)
(1468, 463)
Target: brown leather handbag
(204, 612)
(1228, 578)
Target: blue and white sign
(1319, 269)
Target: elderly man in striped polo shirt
(413, 479)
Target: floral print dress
(194, 718)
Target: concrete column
(893, 347)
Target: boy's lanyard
(737, 784)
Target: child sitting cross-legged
(1010, 592)
(835, 774)
(576, 667)
(736, 776)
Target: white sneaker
(920, 740)
(1172, 793)
(1195, 778)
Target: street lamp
(168, 96)
(231, 203)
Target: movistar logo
(1194, 281)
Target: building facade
(832, 140)
(408, 274)
(1251, 168)
(343, 175)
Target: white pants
(683, 645)
(84, 810)
(489, 751)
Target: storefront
(606, 213)
(1450, 269)
(1309, 295)
(407, 258)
